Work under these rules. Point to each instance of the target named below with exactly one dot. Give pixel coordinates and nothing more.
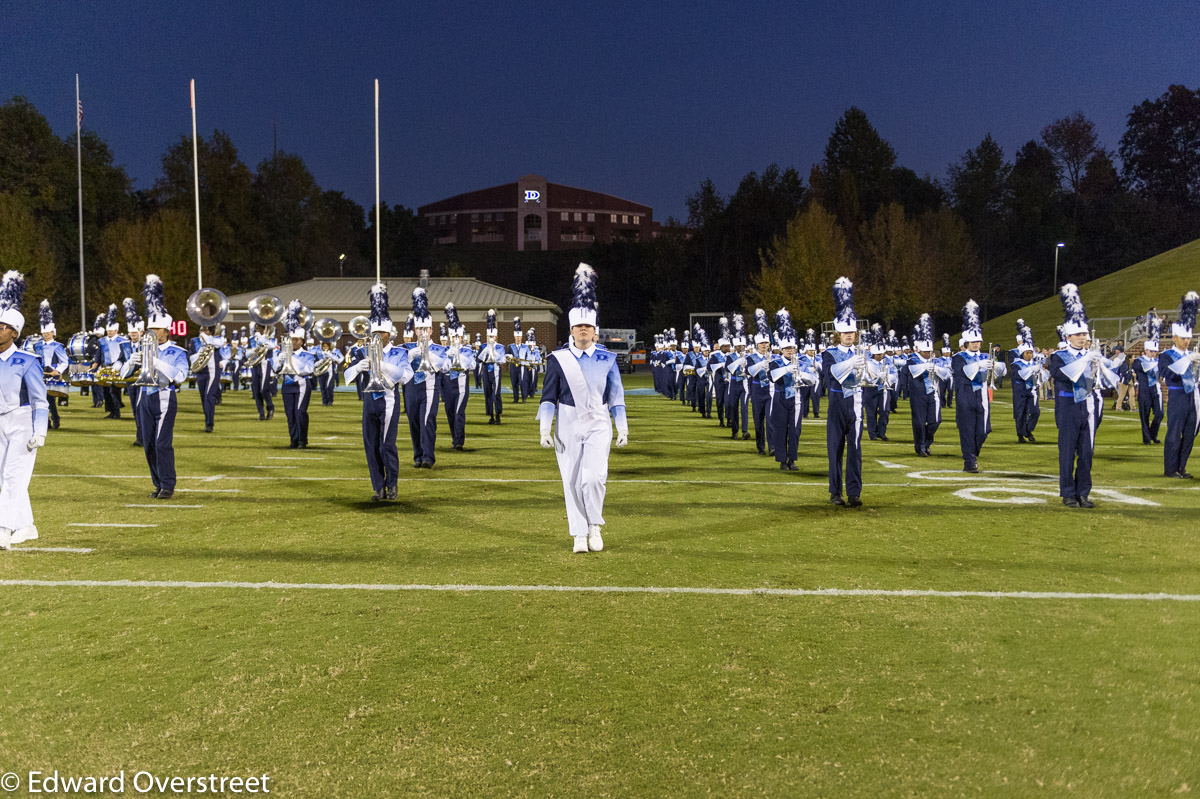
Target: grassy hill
(1159, 282)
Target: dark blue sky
(640, 100)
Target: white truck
(620, 341)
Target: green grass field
(373, 692)
(1159, 281)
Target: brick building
(532, 214)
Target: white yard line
(74, 550)
(160, 505)
(907, 593)
(104, 524)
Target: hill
(1156, 282)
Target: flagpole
(377, 209)
(79, 178)
(196, 182)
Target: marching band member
(877, 406)
(455, 387)
(1149, 390)
(535, 363)
(582, 388)
(492, 357)
(23, 416)
(810, 396)
(972, 370)
(295, 387)
(55, 362)
(898, 363)
(422, 395)
(237, 357)
(842, 368)
(1026, 378)
(717, 368)
(380, 416)
(674, 366)
(1178, 368)
(757, 364)
(785, 373)
(518, 354)
(207, 378)
(262, 381)
(700, 363)
(157, 404)
(328, 379)
(947, 386)
(924, 395)
(134, 327)
(476, 347)
(93, 356)
(737, 396)
(1075, 370)
(688, 371)
(356, 352)
(657, 361)
(112, 356)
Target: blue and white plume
(110, 322)
(380, 321)
(98, 325)
(923, 333)
(844, 320)
(291, 319)
(972, 329)
(810, 340)
(516, 327)
(1074, 316)
(157, 317)
(491, 323)
(946, 343)
(762, 333)
(12, 291)
(783, 326)
(1153, 331)
(739, 330)
(409, 326)
(726, 338)
(46, 317)
(132, 320)
(1062, 337)
(442, 332)
(1185, 323)
(1020, 325)
(699, 336)
(1024, 337)
(531, 336)
(452, 321)
(876, 339)
(584, 307)
(420, 305)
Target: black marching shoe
(154, 494)
(1084, 502)
(270, 414)
(927, 452)
(922, 453)
(1156, 441)
(262, 417)
(208, 428)
(426, 464)
(1030, 437)
(392, 492)
(1185, 475)
(166, 493)
(294, 445)
(855, 502)
(836, 499)
(1020, 440)
(885, 438)
(745, 436)
(783, 467)
(416, 464)
(378, 495)
(1071, 502)
(303, 445)
(792, 467)
(971, 468)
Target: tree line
(986, 229)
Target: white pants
(16, 468)
(582, 445)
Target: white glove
(860, 361)
(547, 440)
(622, 439)
(35, 443)
(1194, 356)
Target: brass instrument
(326, 330)
(147, 352)
(285, 356)
(206, 307)
(990, 382)
(266, 311)
(379, 382)
(360, 327)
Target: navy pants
(843, 436)
(455, 392)
(158, 425)
(260, 387)
(380, 421)
(1181, 430)
(134, 397)
(516, 380)
(760, 402)
(972, 426)
(926, 418)
(491, 391)
(704, 395)
(421, 402)
(736, 407)
(208, 386)
(785, 418)
(877, 409)
(1150, 410)
(810, 397)
(327, 382)
(1026, 410)
(1076, 443)
(295, 405)
(720, 387)
(112, 400)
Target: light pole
(342, 260)
(1057, 247)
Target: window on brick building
(637, 220)
(591, 217)
(612, 218)
(624, 219)
(566, 217)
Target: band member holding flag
(582, 389)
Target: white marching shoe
(29, 533)
(6, 539)
(581, 543)
(594, 541)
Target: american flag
(78, 113)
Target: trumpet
(206, 307)
(991, 372)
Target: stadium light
(341, 260)
(1057, 247)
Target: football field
(959, 635)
